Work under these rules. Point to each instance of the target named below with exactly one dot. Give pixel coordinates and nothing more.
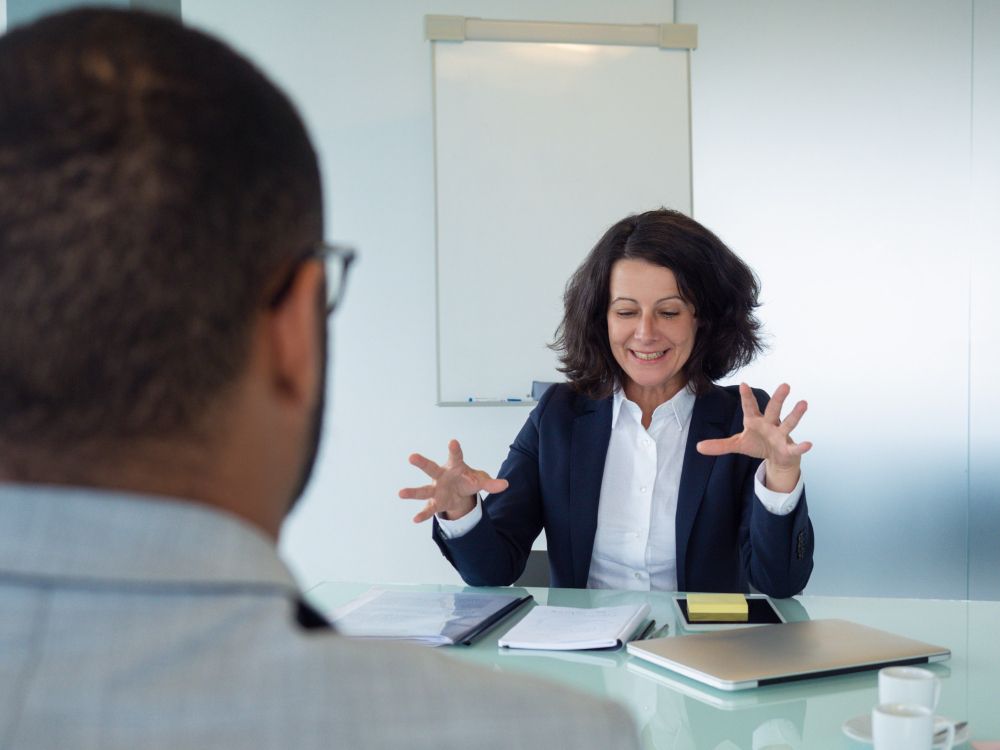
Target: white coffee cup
(901, 726)
(911, 685)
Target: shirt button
(642, 489)
(638, 576)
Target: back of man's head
(152, 186)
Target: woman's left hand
(766, 436)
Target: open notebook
(576, 628)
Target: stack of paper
(426, 617)
(573, 628)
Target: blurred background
(849, 152)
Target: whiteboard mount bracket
(678, 36)
(462, 28)
(444, 28)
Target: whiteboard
(539, 148)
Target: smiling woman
(651, 332)
(642, 472)
(717, 287)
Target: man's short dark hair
(153, 183)
(721, 288)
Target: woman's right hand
(454, 486)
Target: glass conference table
(672, 711)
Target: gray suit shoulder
(419, 698)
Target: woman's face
(651, 329)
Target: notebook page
(572, 628)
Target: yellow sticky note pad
(718, 607)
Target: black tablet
(761, 611)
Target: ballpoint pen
(659, 632)
(644, 633)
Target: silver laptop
(771, 654)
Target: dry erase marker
(481, 399)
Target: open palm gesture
(453, 488)
(766, 436)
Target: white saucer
(860, 728)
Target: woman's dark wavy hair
(721, 288)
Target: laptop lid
(771, 654)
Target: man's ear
(293, 335)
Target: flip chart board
(540, 146)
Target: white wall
(984, 464)
(832, 149)
(16, 12)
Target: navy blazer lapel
(588, 450)
(708, 421)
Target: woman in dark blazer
(642, 472)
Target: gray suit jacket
(135, 622)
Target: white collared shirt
(635, 544)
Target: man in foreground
(163, 301)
